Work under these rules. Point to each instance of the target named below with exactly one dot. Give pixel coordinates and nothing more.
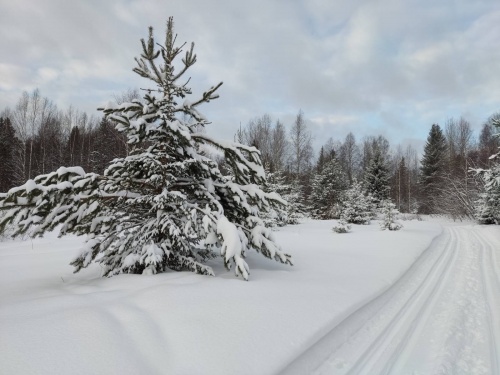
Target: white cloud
(12, 76)
(360, 65)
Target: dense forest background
(36, 137)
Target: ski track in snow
(440, 317)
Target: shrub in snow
(356, 207)
(389, 216)
(341, 227)
(166, 205)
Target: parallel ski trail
(491, 287)
(356, 332)
(441, 317)
(413, 313)
(411, 336)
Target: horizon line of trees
(36, 137)
(441, 181)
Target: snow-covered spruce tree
(165, 205)
(356, 206)
(275, 216)
(433, 169)
(294, 210)
(389, 216)
(327, 187)
(488, 205)
(377, 178)
(342, 227)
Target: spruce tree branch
(188, 61)
(208, 95)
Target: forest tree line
(440, 181)
(36, 137)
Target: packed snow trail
(440, 317)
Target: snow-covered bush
(356, 207)
(410, 216)
(166, 205)
(389, 216)
(341, 227)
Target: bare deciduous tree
(300, 145)
(349, 156)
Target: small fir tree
(327, 188)
(377, 178)
(488, 205)
(342, 227)
(293, 211)
(296, 208)
(389, 216)
(9, 144)
(166, 205)
(356, 207)
(275, 216)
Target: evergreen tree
(342, 227)
(275, 216)
(327, 188)
(389, 216)
(321, 160)
(294, 210)
(8, 145)
(165, 205)
(73, 148)
(488, 205)
(377, 178)
(356, 207)
(433, 168)
(488, 143)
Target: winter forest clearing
(117, 231)
(421, 300)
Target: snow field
(55, 322)
(441, 317)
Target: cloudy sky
(386, 67)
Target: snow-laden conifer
(327, 187)
(433, 169)
(166, 205)
(488, 204)
(293, 211)
(389, 216)
(377, 178)
(342, 227)
(356, 206)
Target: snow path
(440, 317)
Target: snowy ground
(353, 303)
